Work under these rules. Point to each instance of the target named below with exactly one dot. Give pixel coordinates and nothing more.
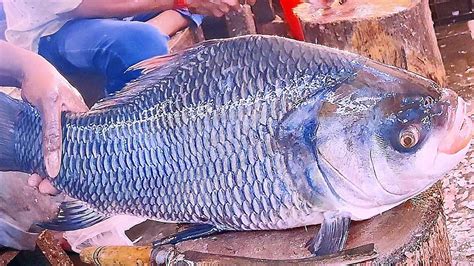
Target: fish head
(386, 134)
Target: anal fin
(332, 235)
(73, 215)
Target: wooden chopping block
(395, 32)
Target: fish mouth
(459, 128)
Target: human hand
(46, 89)
(324, 4)
(216, 8)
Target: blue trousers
(104, 46)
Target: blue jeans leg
(103, 46)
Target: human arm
(119, 8)
(44, 87)
(324, 4)
(126, 8)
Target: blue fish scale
(195, 141)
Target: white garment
(29, 20)
(110, 232)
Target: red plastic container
(293, 23)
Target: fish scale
(197, 143)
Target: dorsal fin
(160, 65)
(73, 215)
(154, 63)
(134, 87)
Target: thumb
(72, 100)
(52, 136)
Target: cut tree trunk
(395, 32)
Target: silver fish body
(213, 136)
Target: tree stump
(395, 32)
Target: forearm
(13, 64)
(119, 8)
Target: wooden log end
(398, 32)
(353, 10)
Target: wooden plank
(7, 256)
(52, 249)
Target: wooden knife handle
(117, 255)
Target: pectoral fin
(332, 236)
(73, 215)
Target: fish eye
(409, 137)
(428, 100)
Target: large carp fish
(249, 133)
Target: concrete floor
(456, 44)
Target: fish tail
(10, 112)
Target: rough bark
(7, 255)
(52, 250)
(240, 22)
(396, 32)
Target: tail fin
(10, 110)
